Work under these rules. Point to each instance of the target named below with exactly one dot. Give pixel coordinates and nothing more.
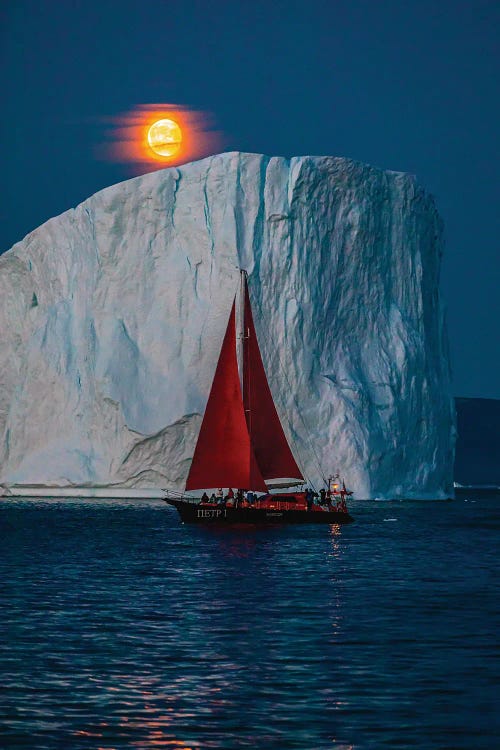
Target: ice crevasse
(112, 316)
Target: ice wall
(112, 316)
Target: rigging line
(243, 336)
(307, 431)
(247, 370)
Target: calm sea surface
(122, 628)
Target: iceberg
(112, 316)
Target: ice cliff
(112, 317)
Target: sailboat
(242, 445)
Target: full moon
(164, 137)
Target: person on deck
(204, 498)
(309, 498)
(213, 499)
(230, 494)
(250, 497)
(322, 496)
(220, 495)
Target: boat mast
(242, 333)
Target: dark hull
(196, 513)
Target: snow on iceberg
(112, 317)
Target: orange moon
(165, 138)
(155, 136)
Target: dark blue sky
(410, 86)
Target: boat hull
(196, 513)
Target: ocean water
(122, 628)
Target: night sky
(407, 86)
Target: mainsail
(241, 441)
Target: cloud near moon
(154, 136)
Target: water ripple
(120, 627)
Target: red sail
(270, 445)
(224, 456)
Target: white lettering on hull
(211, 513)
